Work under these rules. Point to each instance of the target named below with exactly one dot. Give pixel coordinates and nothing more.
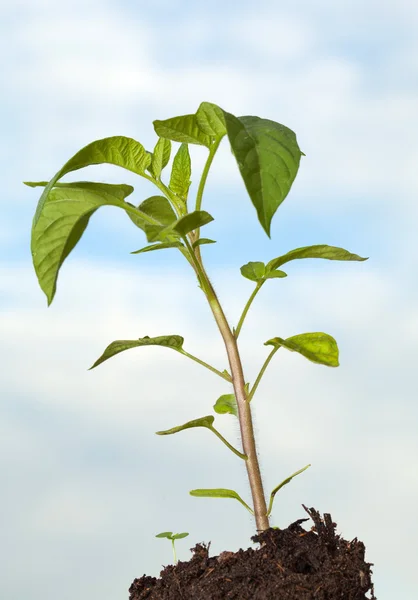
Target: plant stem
(201, 362)
(261, 373)
(202, 183)
(247, 306)
(243, 405)
(244, 412)
(174, 552)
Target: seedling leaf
(64, 216)
(202, 422)
(160, 157)
(165, 534)
(181, 172)
(210, 119)
(268, 158)
(284, 482)
(274, 274)
(179, 536)
(317, 347)
(226, 404)
(160, 246)
(254, 271)
(182, 129)
(192, 221)
(169, 341)
(317, 251)
(220, 493)
(202, 241)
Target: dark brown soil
(290, 564)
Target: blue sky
(86, 483)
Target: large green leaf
(317, 347)
(220, 493)
(202, 422)
(62, 222)
(181, 172)
(182, 129)
(169, 341)
(160, 157)
(318, 251)
(211, 120)
(268, 158)
(118, 150)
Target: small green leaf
(220, 493)
(317, 347)
(268, 158)
(318, 251)
(181, 172)
(165, 534)
(283, 483)
(202, 422)
(202, 241)
(210, 119)
(182, 129)
(274, 274)
(192, 221)
(160, 246)
(226, 404)
(157, 207)
(64, 217)
(179, 536)
(160, 157)
(253, 271)
(169, 341)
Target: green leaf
(169, 341)
(181, 172)
(192, 221)
(160, 157)
(220, 493)
(64, 217)
(157, 207)
(159, 246)
(226, 404)
(268, 158)
(275, 274)
(210, 119)
(318, 251)
(118, 150)
(182, 129)
(202, 422)
(202, 241)
(179, 536)
(253, 271)
(317, 347)
(283, 483)
(165, 534)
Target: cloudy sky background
(85, 482)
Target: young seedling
(268, 156)
(169, 535)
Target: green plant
(268, 157)
(169, 535)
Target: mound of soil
(290, 564)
